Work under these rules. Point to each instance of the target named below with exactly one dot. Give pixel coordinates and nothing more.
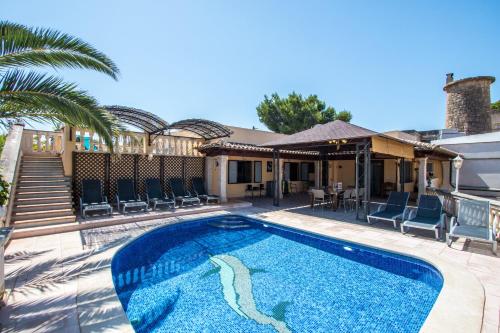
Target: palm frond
(41, 97)
(24, 46)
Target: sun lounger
(180, 194)
(428, 215)
(201, 193)
(92, 198)
(392, 210)
(127, 196)
(473, 222)
(155, 196)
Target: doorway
(377, 178)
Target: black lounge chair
(199, 189)
(92, 198)
(127, 197)
(180, 194)
(392, 210)
(155, 196)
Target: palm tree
(29, 94)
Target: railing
(135, 143)
(9, 168)
(84, 140)
(450, 200)
(38, 142)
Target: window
(306, 168)
(406, 172)
(257, 171)
(430, 169)
(239, 172)
(291, 171)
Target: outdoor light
(457, 163)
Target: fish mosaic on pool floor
(236, 284)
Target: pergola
(154, 126)
(339, 140)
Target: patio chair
(155, 196)
(92, 198)
(199, 189)
(127, 196)
(346, 199)
(428, 215)
(392, 210)
(356, 196)
(319, 197)
(473, 222)
(180, 194)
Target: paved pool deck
(62, 282)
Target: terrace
(63, 281)
(58, 275)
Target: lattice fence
(109, 168)
(174, 168)
(194, 167)
(147, 169)
(88, 166)
(121, 166)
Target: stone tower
(468, 104)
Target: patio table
(332, 196)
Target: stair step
(22, 216)
(39, 157)
(44, 221)
(41, 167)
(43, 173)
(56, 198)
(30, 207)
(30, 183)
(41, 162)
(41, 194)
(22, 177)
(43, 188)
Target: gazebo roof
(146, 121)
(152, 124)
(207, 129)
(335, 130)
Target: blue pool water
(236, 274)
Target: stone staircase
(43, 193)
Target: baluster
(34, 146)
(91, 141)
(178, 146)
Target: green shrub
(4, 191)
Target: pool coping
(459, 306)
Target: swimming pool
(237, 274)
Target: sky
(385, 61)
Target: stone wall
(468, 104)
